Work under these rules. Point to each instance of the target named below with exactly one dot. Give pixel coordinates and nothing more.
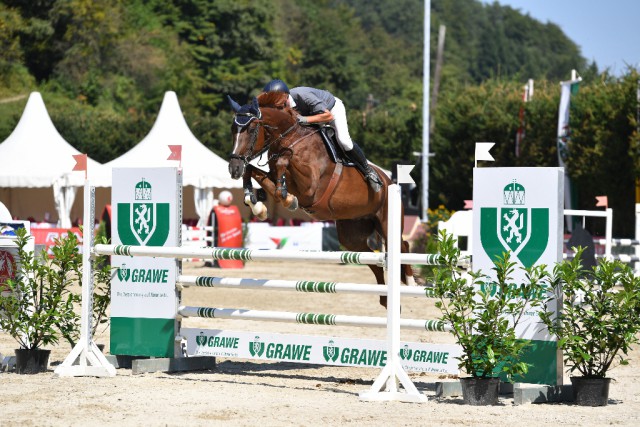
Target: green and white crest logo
(405, 352)
(515, 227)
(124, 273)
(330, 352)
(256, 348)
(201, 340)
(143, 223)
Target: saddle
(334, 149)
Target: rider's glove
(302, 120)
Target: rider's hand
(302, 120)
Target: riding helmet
(276, 85)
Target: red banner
(47, 237)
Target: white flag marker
(482, 151)
(403, 174)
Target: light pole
(425, 110)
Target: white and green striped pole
(299, 286)
(357, 258)
(310, 318)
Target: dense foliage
(483, 314)
(38, 305)
(103, 68)
(599, 321)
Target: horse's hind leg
(406, 271)
(353, 235)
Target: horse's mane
(273, 99)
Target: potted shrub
(598, 322)
(484, 314)
(38, 309)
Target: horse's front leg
(289, 201)
(257, 207)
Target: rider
(320, 106)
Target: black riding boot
(358, 158)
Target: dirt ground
(246, 393)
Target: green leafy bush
(102, 272)
(38, 309)
(599, 318)
(484, 313)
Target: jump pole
(354, 258)
(310, 318)
(297, 285)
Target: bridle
(243, 120)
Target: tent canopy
(202, 168)
(36, 155)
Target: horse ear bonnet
(276, 85)
(234, 105)
(247, 113)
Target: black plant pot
(590, 391)
(31, 361)
(480, 391)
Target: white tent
(202, 168)
(36, 156)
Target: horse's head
(256, 126)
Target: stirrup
(374, 180)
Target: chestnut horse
(302, 174)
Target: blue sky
(607, 31)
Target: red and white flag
(602, 201)
(176, 153)
(81, 163)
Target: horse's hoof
(383, 301)
(260, 210)
(292, 202)
(374, 242)
(411, 281)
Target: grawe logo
(405, 353)
(201, 340)
(514, 227)
(124, 273)
(143, 223)
(143, 275)
(256, 348)
(330, 352)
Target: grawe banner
(321, 350)
(520, 210)
(146, 206)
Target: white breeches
(342, 129)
